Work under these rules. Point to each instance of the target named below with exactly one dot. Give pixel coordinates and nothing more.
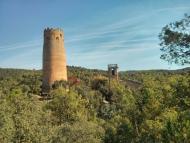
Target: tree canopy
(155, 112)
(175, 41)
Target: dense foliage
(175, 41)
(144, 106)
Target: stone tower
(54, 58)
(113, 71)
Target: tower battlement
(49, 30)
(53, 32)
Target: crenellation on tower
(52, 30)
(54, 33)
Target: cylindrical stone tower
(54, 58)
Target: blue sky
(97, 32)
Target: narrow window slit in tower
(57, 38)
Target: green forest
(143, 106)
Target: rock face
(54, 58)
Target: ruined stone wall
(113, 71)
(54, 58)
